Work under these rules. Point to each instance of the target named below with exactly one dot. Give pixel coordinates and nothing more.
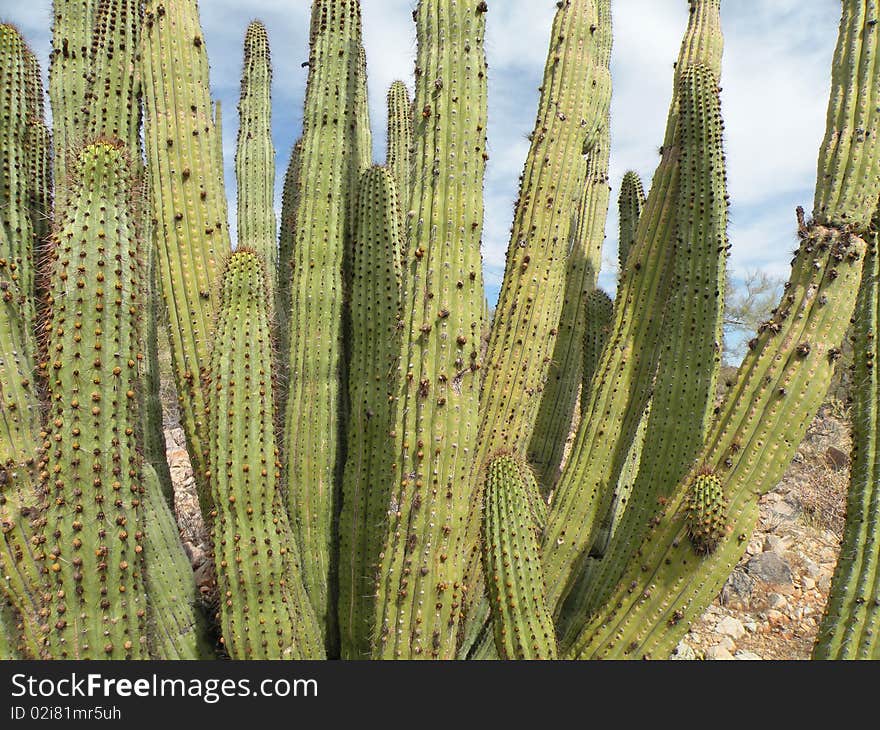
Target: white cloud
(775, 80)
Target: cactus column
(400, 139)
(375, 351)
(264, 610)
(188, 203)
(420, 580)
(255, 155)
(93, 472)
(314, 414)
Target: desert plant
(377, 483)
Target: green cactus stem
(848, 630)
(94, 532)
(690, 357)
(599, 312)
(9, 642)
(72, 31)
(328, 175)
(420, 580)
(778, 390)
(264, 610)
(177, 629)
(622, 384)
(113, 94)
(559, 400)
(523, 624)
(630, 204)
(15, 188)
(187, 201)
(398, 158)
(255, 154)
(286, 240)
(375, 351)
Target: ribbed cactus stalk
(690, 353)
(599, 311)
(565, 376)
(72, 30)
(778, 389)
(398, 158)
(572, 119)
(849, 629)
(264, 610)
(622, 384)
(177, 629)
(420, 581)
(255, 155)
(17, 237)
(93, 473)
(9, 649)
(315, 426)
(522, 622)
(113, 95)
(187, 201)
(630, 205)
(286, 240)
(375, 351)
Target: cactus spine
(522, 622)
(264, 611)
(375, 350)
(420, 578)
(187, 201)
(255, 155)
(93, 472)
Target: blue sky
(775, 83)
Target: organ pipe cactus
(264, 610)
(391, 510)
(315, 426)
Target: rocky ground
(773, 601)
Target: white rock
(747, 656)
(718, 653)
(732, 627)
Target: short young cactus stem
(630, 205)
(400, 139)
(177, 629)
(72, 31)
(264, 610)
(849, 629)
(565, 376)
(849, 159)
(188, 202)
(778, 390)
(622, 384)
(522, 623)
(690, 357)
(420, 581)
(113, 94)
(314, 414)
(255, 154)
(93, 472)
(373, 368)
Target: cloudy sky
(775, 89)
